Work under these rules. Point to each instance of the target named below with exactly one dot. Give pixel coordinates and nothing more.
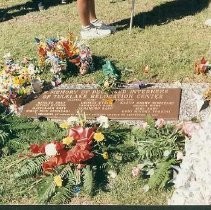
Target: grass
(169, 36)
(125, 190)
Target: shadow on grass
(165, 13)
(9, 13)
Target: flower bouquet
(15, 81)
(66, 167)
(57, 53)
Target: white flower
(103, 120)
(72, 120)
(112, 174)
(50, 149)
(160, 123)
(179, 155)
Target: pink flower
(189, 128)
(160, 123)
(136, 171)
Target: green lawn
(168, 36)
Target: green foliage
(88, 179)
(161, 174)
(46, 190)
(31, 167)
(157, 148)
(64, 193)
(152, 142)
(18, 132)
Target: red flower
(35, 148)
(81, 134)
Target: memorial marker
(123, 104)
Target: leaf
(46, 190)
(88, 180)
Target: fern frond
(161, 175)
(88, 178)
(46, 190)
(31, 167)
(65, 193)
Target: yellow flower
(67, 140)
(16, 81)
(99, 136)
(58, 181)
(105, 155)
(64, 125)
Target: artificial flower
(105, 155)
(50, 149)
(73, 120)
(159, 123)
(68, 140)
(99, 136)
(64, 125)
(58, 181)
(103, 120)
(180, 155)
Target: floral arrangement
(92, 153)
(160, 148)
(71, 165)
(15, 81)
(58, 53)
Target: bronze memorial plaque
(123, 104)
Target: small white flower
(160, 123)
(50, 149)
(179, 155)
(72, 120)
(112, 174)
(103, 120)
